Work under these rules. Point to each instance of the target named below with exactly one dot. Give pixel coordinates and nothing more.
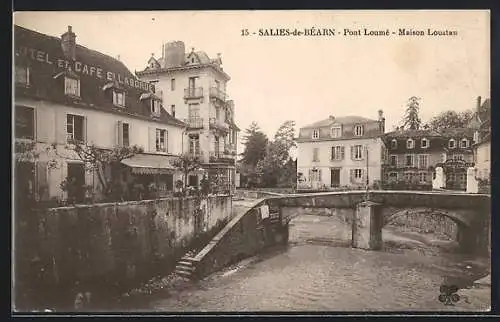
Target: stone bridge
(371, 210)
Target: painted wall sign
(82, 68)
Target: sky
(306, 79)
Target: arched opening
(431, 231)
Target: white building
(340, 152)
(194, 89)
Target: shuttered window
(337, 153)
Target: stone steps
(185, 267)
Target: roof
(339, 120)
(412, 134)
(150, 164)
(456, 132)
(94, 69)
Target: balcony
(218, 124)
(217, 94)
(193, 92)
(195, 154)
(217, 156)
(194, 122)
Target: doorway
(335, 177)
(76, 173)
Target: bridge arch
(458, 217)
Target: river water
(318, 271)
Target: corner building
(194, 89)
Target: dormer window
(315, 134)
(22, 75)
(336, 132)
(358, 130)
(118, 98)
(424, 143)
(410, 144)
(451, 144)
(394, 144)
(476, 136)
(464, 143)
(71, 86)
(155, 106)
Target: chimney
(331, 117)
(68, 44)
(118, 57)
(478, 103)
(381, 120)
(174, 54)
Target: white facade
(370, 163)
(100, 128)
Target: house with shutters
(340, 152)
(65, 93)
(413, 155)
(194, 89)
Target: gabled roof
(94, 90)
(338, 120)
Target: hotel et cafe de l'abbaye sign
(82, 68)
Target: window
(357, 152)
(172, 84)
(464, 143)
(458, 157)
(161, 140)
(422, 177)
(358, 130)
(126, 134)
(74, 128)
(172, 109)
(423, 160)
(410, 144)
(72, 86)
(409, 160)
(155, 107)
(358, 173)
(22, 75)
(451, 144)
(119, 98)
(194, 144)
(409, 176)
(394, 160)
(393, 176)
(394, 144)
(476, 136)
(424, 143)
(316, 154)
(25, 122)
(336, 132)
(315, 134)
(337, 152)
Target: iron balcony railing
(218, 156)
(215, 123)
(193, 92)
(194, 122)
(217, 93)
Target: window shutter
(352, 152)
(333, 153)
(351, 175)
(41, 180)
(166, 141)
(362, 152)
(319, 175)
(342, 153)
(119, 133)
(152, 139)
(61, 127)
(85, 132)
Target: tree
(411, 119)
(187, 163)
(99, 159)
(255, 142)
(451, 119)
(284, 140)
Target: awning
(148, 95)
(150, 164)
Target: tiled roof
(411, 134)
(339, 120)
(44, 86)
(456, 132)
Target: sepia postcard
(251, 161)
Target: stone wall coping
(226, 229)
(382, 192)
(129, 203)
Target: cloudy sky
(306, 79)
